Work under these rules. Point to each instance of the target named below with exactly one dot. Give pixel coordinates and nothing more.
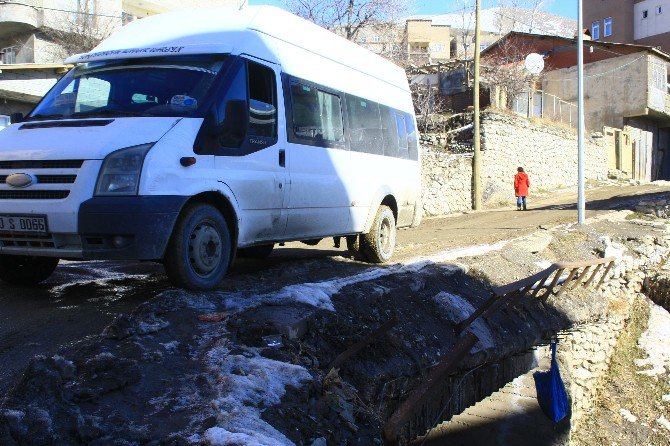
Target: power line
(44, 8)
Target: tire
(354, 245)
(379, 243)
(198, 254)
(26, 270)
(256, 252)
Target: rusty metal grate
(549, 282)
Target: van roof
(238, 31)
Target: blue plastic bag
(551, 392)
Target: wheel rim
(385, 237)
(204, 248)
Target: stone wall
(446, 182)
(547, 153)
(584, 353)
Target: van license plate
(23, 224)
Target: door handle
(282, 157)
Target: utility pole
(581, 207)
(476, 160)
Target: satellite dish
(534, 63)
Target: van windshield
(166, 86)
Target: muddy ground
(160, 373)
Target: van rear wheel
(198, 254)
(379, 243)
(26, 270)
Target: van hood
(80, 139)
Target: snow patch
(319, 294)
(458, 309)
(663, 422)
(221, 437)
(625, 413)
(655, 343)
(246, 386)
(170, 346)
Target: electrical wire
(44, 8)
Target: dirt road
(82, 298)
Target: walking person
(521, 185)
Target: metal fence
(538, 104)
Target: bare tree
(505, 74)
(517, 15)
(467, 8)
(347, 17)
(427, 104)
(79, 31)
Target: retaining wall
(547, 153)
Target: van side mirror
(15, 118)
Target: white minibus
(191, 137)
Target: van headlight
(120, 172)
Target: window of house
(8, 55)
(595, 30)
(659, 75)
(317, 115)
(659, 10)
(645, 14)
(262, 101)
(607, 27)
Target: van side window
(262, 101)
(389, 132)
(412, 139)
(365, 125)
(403, 147)
(317, 115)
(232, 112)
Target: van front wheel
(379, 243)
(198, 254)
(26, 270)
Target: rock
(319, 442)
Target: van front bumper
(127, 228)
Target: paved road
(82, 298)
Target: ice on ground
(655, 343)
(543, 264)
(663, 422)
(245, 387)
(319, 294)
(625, 413)
(458, 309)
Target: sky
(567, 8)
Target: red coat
(521, 184)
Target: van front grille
(47, 164)
(33, 194)
(52, 179)
(48, 179)
(27, 240)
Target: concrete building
(643, 22)
(427, 42)
(37, 35)
(47, 31)
(627, 87)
